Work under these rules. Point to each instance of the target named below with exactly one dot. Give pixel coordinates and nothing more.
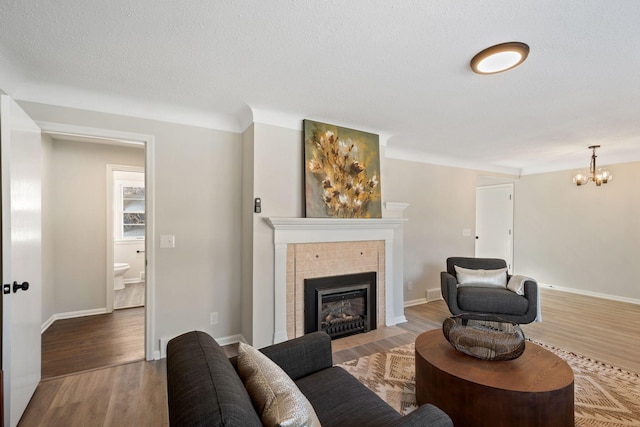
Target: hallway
(92, 342)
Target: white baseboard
(400, 319)
(46, 324)
(232, 339)
(71, 315)
(413, 302)
(590, 293)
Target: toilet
(119, 268)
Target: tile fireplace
(340, 305)
(363, 245)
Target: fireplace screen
(341, 305)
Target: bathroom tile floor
(131, 296)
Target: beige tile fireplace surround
(311, 260)
(319, 247)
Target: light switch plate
(167, 241)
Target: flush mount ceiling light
(499, 58)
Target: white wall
(278, 177)
(203, 195)
(77, 211)
(198, 187)
(441, 204)
(585, 238)
(247, 233)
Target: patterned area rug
(604, 395)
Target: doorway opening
(85, 331)
(126, 229)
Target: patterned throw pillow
(275, 396)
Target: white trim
(399, 319)
(232, 339)
(413, 302)
(317, 230)
(149, 143)
(413, 155)
(47, 323)
(590, 293)
(71, 315)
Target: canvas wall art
(342, 172)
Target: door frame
(124, 137)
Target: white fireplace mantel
(321, 230)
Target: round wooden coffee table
(535, 389)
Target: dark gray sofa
(204, 388)
(478, 302)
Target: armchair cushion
(491, 300)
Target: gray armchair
(477, 302)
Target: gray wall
(585, 238)
(223, 261)
(277, 180)
(198, 187)
(77, 209)
(441, 204)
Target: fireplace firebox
(340, 305)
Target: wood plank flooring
(135, 394)
(605, 330)
(92, 342)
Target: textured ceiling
(398, 68)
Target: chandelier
(598, 176)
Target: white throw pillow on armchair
(486, 278)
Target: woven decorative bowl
(493, 339)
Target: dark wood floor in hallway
(92, 342)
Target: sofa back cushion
(203, 387)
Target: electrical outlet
(409, 286)
(213, 318)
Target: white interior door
(21, 257)
(494, 222)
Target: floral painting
(342, 172)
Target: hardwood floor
(605, 330)
(92, 342)
(135, 394)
